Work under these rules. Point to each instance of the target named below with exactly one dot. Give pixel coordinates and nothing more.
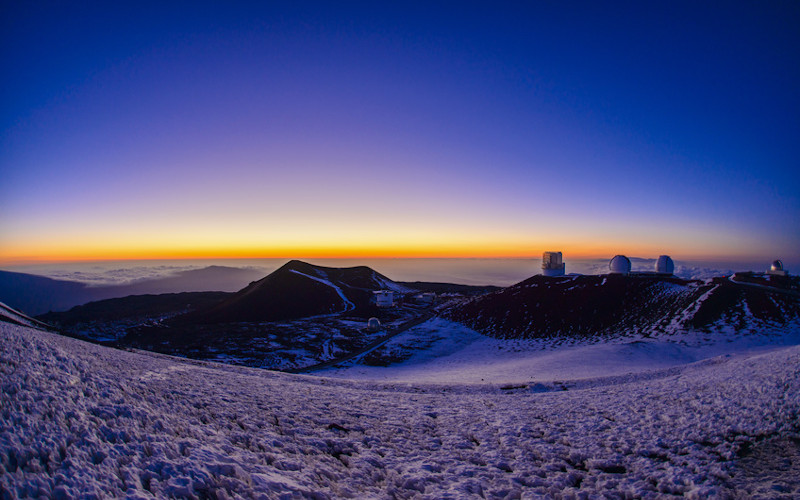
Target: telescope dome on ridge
(664, 265)
(776, 269)
(619, 265)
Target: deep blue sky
(141, 129)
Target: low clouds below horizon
(501, 272)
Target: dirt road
(425, 316)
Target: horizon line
(87, 260)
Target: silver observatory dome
(619, 265)
(664, 265)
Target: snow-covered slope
(80, 420)
(444, 351)
(11, 315)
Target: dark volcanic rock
(740, 304)
(584, 306)
(575, 306)
(134, 306)
(435, 287)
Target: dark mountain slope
(37, 295)
(297, 290)
(586, 306)
(435, 287)
(742, 305)
(579, 306)
(110, 319)
(133, 306)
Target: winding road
(764, 287)
(425, 316)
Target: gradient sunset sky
(297, 129)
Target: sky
(407, 129)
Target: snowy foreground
(443, 351)
(80, 420)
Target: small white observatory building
(664, 265)
(425, 298)
(552, 264)
(619, 265)
(776, 269)
(373, 324)
(384, 298)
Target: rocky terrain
(606, 305)
(109, 320)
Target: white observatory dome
(373, 324)
(664, 265)
(619, 265)
(776, 269)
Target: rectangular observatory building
(552, 264)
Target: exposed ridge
(296, 290)
(584, 306)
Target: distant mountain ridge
(297, 290)
(594, 306)
(93, 319)
(38, 294)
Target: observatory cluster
(622, 265)
(553, 265)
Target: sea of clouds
(499, 272)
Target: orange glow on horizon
(466, 250)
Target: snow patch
(348, 305)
